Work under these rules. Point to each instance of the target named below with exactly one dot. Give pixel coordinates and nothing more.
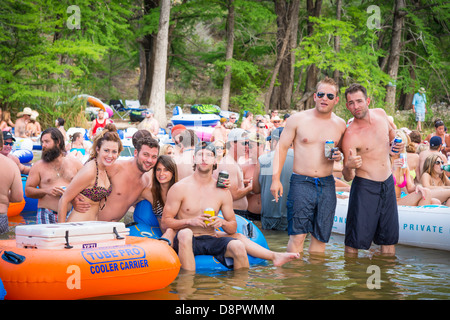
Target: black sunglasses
(439, 162)
(320, 95)
(8, 143)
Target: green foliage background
(44, 63)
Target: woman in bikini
(434, 178)
(408, 194)
(92, 181)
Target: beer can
(403, 157)
(223, 175)
(329, 144)
(396, 140)
(209, 211)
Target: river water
(413, 274)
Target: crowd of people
(278, 170)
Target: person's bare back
(11, 186)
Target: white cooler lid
(59, 230)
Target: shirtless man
(10, 188)
(435, 147)
(8, 142)
(187, 142)
(247, 122)
(183, 212)
(372, 209)
(149, 123)
(20, 128)
(220, 132)
(257, 144)
(49, 176)
(311, 201)
(237, 139)
(129, 178)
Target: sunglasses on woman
(439, 162)
(320, 95)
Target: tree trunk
(224, 103)
(311, 77)
(283, 55)
(406, 98)
(394, 53)
(147, 47)
(337, 40)
(287, 12)
(157, 100)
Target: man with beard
(311, 201)
(49, 176)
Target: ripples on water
(414, 273)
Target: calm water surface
(414, 273)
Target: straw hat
(34, 115)
(26, 111)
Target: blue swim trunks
(47, 216)
(311, 205)
(372, 214)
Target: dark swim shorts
(372, 214)
(209, 245)
(311, 205)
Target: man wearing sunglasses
(372, 210)
(8, 143)
(10, 188)
(311, 201)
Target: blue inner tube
(2, 290)
(147, 225)
(30, 203)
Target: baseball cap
(205, 145)
(276, 133)
(177, 129)
(8, 135)
(238, 135)
(435, 141)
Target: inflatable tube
(425, 227)
(205, 109)
(97, 103)
(203, 120)
(148, 226)
(24, 144)
(30, 203)
(24, 155)
(15, 208)
(2, 290)
(203, 133)
(141, 264)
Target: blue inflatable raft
(147, 225)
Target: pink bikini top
(403, 183)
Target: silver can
(329, 144)
(223, 175)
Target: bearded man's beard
(48, 155)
